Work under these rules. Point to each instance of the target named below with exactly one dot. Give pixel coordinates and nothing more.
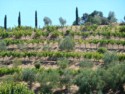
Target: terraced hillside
(60, 56)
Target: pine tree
(5, 22)
(19, 20)
(35, 19)
(77, 17)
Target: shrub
(63, 63)
(88, 81)
(28, 75)
(48, 81)
(86, 64)
(67, 44)
(37, 65)
(109, 57)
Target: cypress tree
(5, 22)
(35, 19)
(19, 20)
(77, 17)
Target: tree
(19, 20)
(77, 17)
(85, 17)
(124, 18)
(47, 21)
(111, 17)
(96, 17)
(35, 19)
(5, 22)
(62, 21)
(104, 21)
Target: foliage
(3, 45)
(14, 88)
(109, 57)
(88, 81)
(96, 17)
(111, 17)
(63, 63)
(48, 80)
(37, 65)
(67, 43)
(16, 62)
(102, 50)
(90, 27)
(28, 75)
(5, 70)
(77, 17)
(19, 20)
(5, 22)
(86, 64)
(62, 21)
(47, 21)
(122, 29)
(36, 19)
(66, 78)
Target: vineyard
(63, 60)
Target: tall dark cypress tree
(35, 19)
(5, 22)
(19, 20)
(77, 17)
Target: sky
(55, 9)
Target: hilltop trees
(19, 20)
(96, 17)
(47, 21)
(35, 19)
(62, 21)
(111, 17)
(5, 22)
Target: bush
(86, 64)
(48, 81)
(88, 81)
(28, 75)
(63, 63)
(102, 50)
(109, 58)
(37, 65)
(67, 44)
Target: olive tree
(47, 21)
(62, 21)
